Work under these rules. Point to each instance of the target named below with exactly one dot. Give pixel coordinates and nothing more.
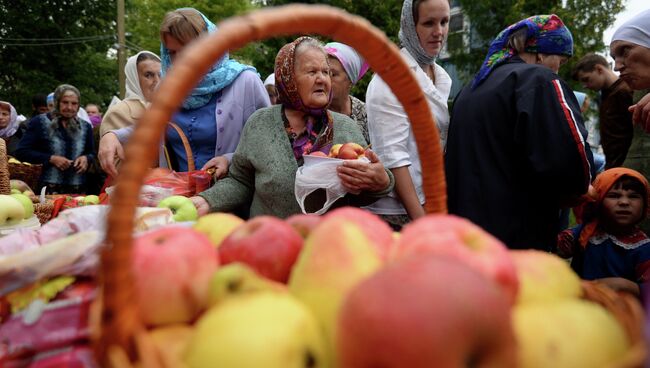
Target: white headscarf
(12, 127)
(270, 80)
(355, 66)
(635, 30)
(133, 90)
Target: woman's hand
(357, 176)
(202, 206)
(220, 165)
(109, 147)
(60, 162)
(641, 113)
(81, 164)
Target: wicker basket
(122, 337)
(5, 185)
(30, 174)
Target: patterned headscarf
(133, 89)
(546, 34)
(355, 66)
(603, 183)
(635, 30)
(220, 75)
(12, 127)
(408, 36)
(58, 94)
(318, 121)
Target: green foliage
(587, 20)
(37, 66)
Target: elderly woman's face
(312, 73)
(340, 81)
(149, 77)
(5, 116)
(69, 105)
(633, 61)
(432, 25)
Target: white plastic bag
(319, 173)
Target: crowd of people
(515, 146)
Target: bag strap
(186, 145)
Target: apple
(461, 239)
(318, 154)
(171, 342)
(544, 277)
(237, 279)
(217, 226)
(351, 151)
(426, 311)
(18, 184)
(304, 223)
(27, 204)
(182, 208)
(267, 244)
(15, 191)
(267, 329)
(377, 230)
(172, 267)
(91, 199)
(568, 333)
(334, 151)
(12, 210)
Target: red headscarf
(603, 183)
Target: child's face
(622, 208)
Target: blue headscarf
(220, 75)
(546, 34)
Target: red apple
(304, 223)
(426, 311)
(172, 267)
(377, 231)
(351, 151)
(267, 244)
(318, 154)
(459, 238)
(334, 151)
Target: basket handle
(186, 146)
(120, 321)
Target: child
(608, 246)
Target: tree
(49, 42)
(587, 20)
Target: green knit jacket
(263, 169)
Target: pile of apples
(344, 151)
(344, 290)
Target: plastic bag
(182, 183)
(150, 195)
(319, 174)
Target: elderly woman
(630, 48)
(213, 115)
(347, 67)
(142, 72)
(423, 31)
(517, 143)
(275, 139)
(9, 126)
(60, 141)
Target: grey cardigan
(263, 168)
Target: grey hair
(310, 43)
(517, 40)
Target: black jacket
(516, 149)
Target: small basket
(30, 174)
(44, 211)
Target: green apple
(11, 210)
(26, 202)
(91, 199)
(182, 208)
(16, 191)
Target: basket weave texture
(30, 174)
(120, 338)
(5, 186)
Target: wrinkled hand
(357, 176)
(641, 113)
(220, 165)
(60, 162)
(81, 164)
(202, 206)
(109, 148)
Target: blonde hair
(183, 24)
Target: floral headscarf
(355, 66)
(546, 34)
(603, 183)
(220, 75)
(12, 127)
(318, 121)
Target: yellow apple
(266, 329)
(27, 204)
(12, 210)
(236, 279)
(544, 277)
(217, 226)
(567, 333)
(171, 343)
